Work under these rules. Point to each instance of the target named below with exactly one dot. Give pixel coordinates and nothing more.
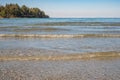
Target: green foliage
(14, 10)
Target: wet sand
(105, 68)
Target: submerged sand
(37, 64)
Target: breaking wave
(97, 55)
(79, 24)
(59, 35)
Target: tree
(25, 11)
(2, 11)
(14, 10)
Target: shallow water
(60, 49)
(70, 45)
(72, 35)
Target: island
(16, 11)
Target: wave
(79, 24)
(59, 35)
(97, 55)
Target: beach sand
(56, 69)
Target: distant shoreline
(19, 17)
(65, 17)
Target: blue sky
(73, 8)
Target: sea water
(93, 28)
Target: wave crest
(97, 55)
(59, 35)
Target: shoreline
(49, 55)
(104, 66)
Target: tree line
(14, 10)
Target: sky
(73, 8)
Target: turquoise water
(73, 45)
(62, 26)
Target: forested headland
(16, 11)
